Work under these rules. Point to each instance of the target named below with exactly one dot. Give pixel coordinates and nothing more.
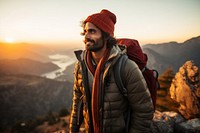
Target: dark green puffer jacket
(115, 105)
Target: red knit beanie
(105, 20)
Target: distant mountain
(24, 97)
(24, 50)
(63, 49)
(164, 55)
(157, 60)
(164, 48)
(25, 66)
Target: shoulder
(132, 71)
(130, 64)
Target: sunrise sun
(9, 40)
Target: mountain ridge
(174, 54)
(25, 66)
(23, 50)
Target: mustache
(88, 40)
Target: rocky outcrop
(164, 122)
(173, 122)
(185, 90)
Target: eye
(89, 31)
(92, 31)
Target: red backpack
(135, 53)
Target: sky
(58, 21)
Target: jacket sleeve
(139, 99)
(76, 117)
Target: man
(96, 98)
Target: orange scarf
(97, 88)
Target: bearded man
(96, 98)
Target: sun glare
(9, 40)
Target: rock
(173, 122)
(185, 90)
(164, 122)
(190, 126)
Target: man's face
(93, 37)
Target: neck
(99, 54)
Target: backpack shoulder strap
(120, 82)
(118, 74)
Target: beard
(92, 45)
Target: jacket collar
(115, 52)
(79, 55)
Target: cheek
(99, 41)
(96, 37)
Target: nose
(86, 35)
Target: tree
(51, 118)
(63, 112)
(165, 79)
(164, 102)
(64, 123)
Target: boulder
(163, 122)
(173, 122)
(185, 90)
(189, 126)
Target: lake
(60, 60)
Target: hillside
(156, 59)
(24, 50)
(172, 54)
(25, 66)
(25, 97)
